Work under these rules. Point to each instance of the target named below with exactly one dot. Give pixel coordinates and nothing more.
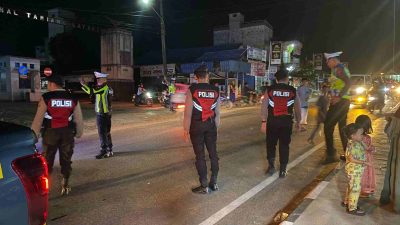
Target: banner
(276, 53)
(28, 14)
(257, 68)
(156, 70)
(256, 54)
(317, 59)
(271, 72)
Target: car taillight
(32, 171)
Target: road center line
(252, 192)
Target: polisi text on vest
(61, 103)
(206, 94)
(281, 93)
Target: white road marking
(317, 190)
(286, 223)
(252, 192)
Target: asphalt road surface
(150, 178)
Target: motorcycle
(164, 99)
(225, 102)
(375, 103)
(145, 99)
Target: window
(17, 65)
(32, 66)
(24, 64)
(3, 82)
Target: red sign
(47, 71)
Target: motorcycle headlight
(148, 94)
(371, 98)
(360, 90)
(398, 90)
(386, 89)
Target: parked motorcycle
(145, 99)
(225, 102)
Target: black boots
(271, 167)
(282, 171)
(65, 188)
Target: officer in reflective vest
(201, 121)
(103, 95)
(171, 91)
(277, 120)
(339, 107)
(61, 117)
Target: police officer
(60, 115)
(171, 91)
(277, 119)
(339, 106)
(201, 121)
(103, 95)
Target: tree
(306, 70)
(67, 52)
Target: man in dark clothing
(60, 114)
(201, 121)
(280, 103)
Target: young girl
(368, 182)
(355, 163)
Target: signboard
(256, 54)
(276, 53)
(257, 69)
(23, 71)
(271, 72)
(156, 70)
(318, 59)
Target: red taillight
(32, 171)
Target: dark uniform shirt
(60, 109)
(205, 98)
(281, 100)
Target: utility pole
(163, 46)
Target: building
(255, 34)
(19, 79)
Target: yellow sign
(1, 172)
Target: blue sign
(22, 70)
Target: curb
(291, 219)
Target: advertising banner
(318, 59)
(156, 70)
(276, 53)
(256, 54)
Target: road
(150, 178)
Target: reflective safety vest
(337, 84)
(60, 109)
(205, 99)
(171, 89)
(281, 100)
(103, 94)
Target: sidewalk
(323, 205)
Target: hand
(264, 127)
(335, 100)
(186, 135)
(82, 82)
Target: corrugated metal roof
(234, 54)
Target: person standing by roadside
(232, 92)
(171, 91)
(201, 122)
(103, 95)
(322, 104)
(280, 101)
(304, 93)
(355, 164)
(339, 105)
(60, 114)
(368, 180)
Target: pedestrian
(232, 92)
(201, 122)
(304, 93)
(339, 105)
(171, 91)
(58, 119)
(103, 110)
(277, 120)
(368, 180)
(391, 185)
(355, 163)
(322, 104)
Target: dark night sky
(363, 29)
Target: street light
(162, 23)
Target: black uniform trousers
(61, 139)
(205, 133)
(104, 130)
(279, 129)
(337, 114)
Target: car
(360, 84)
(24, 180)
